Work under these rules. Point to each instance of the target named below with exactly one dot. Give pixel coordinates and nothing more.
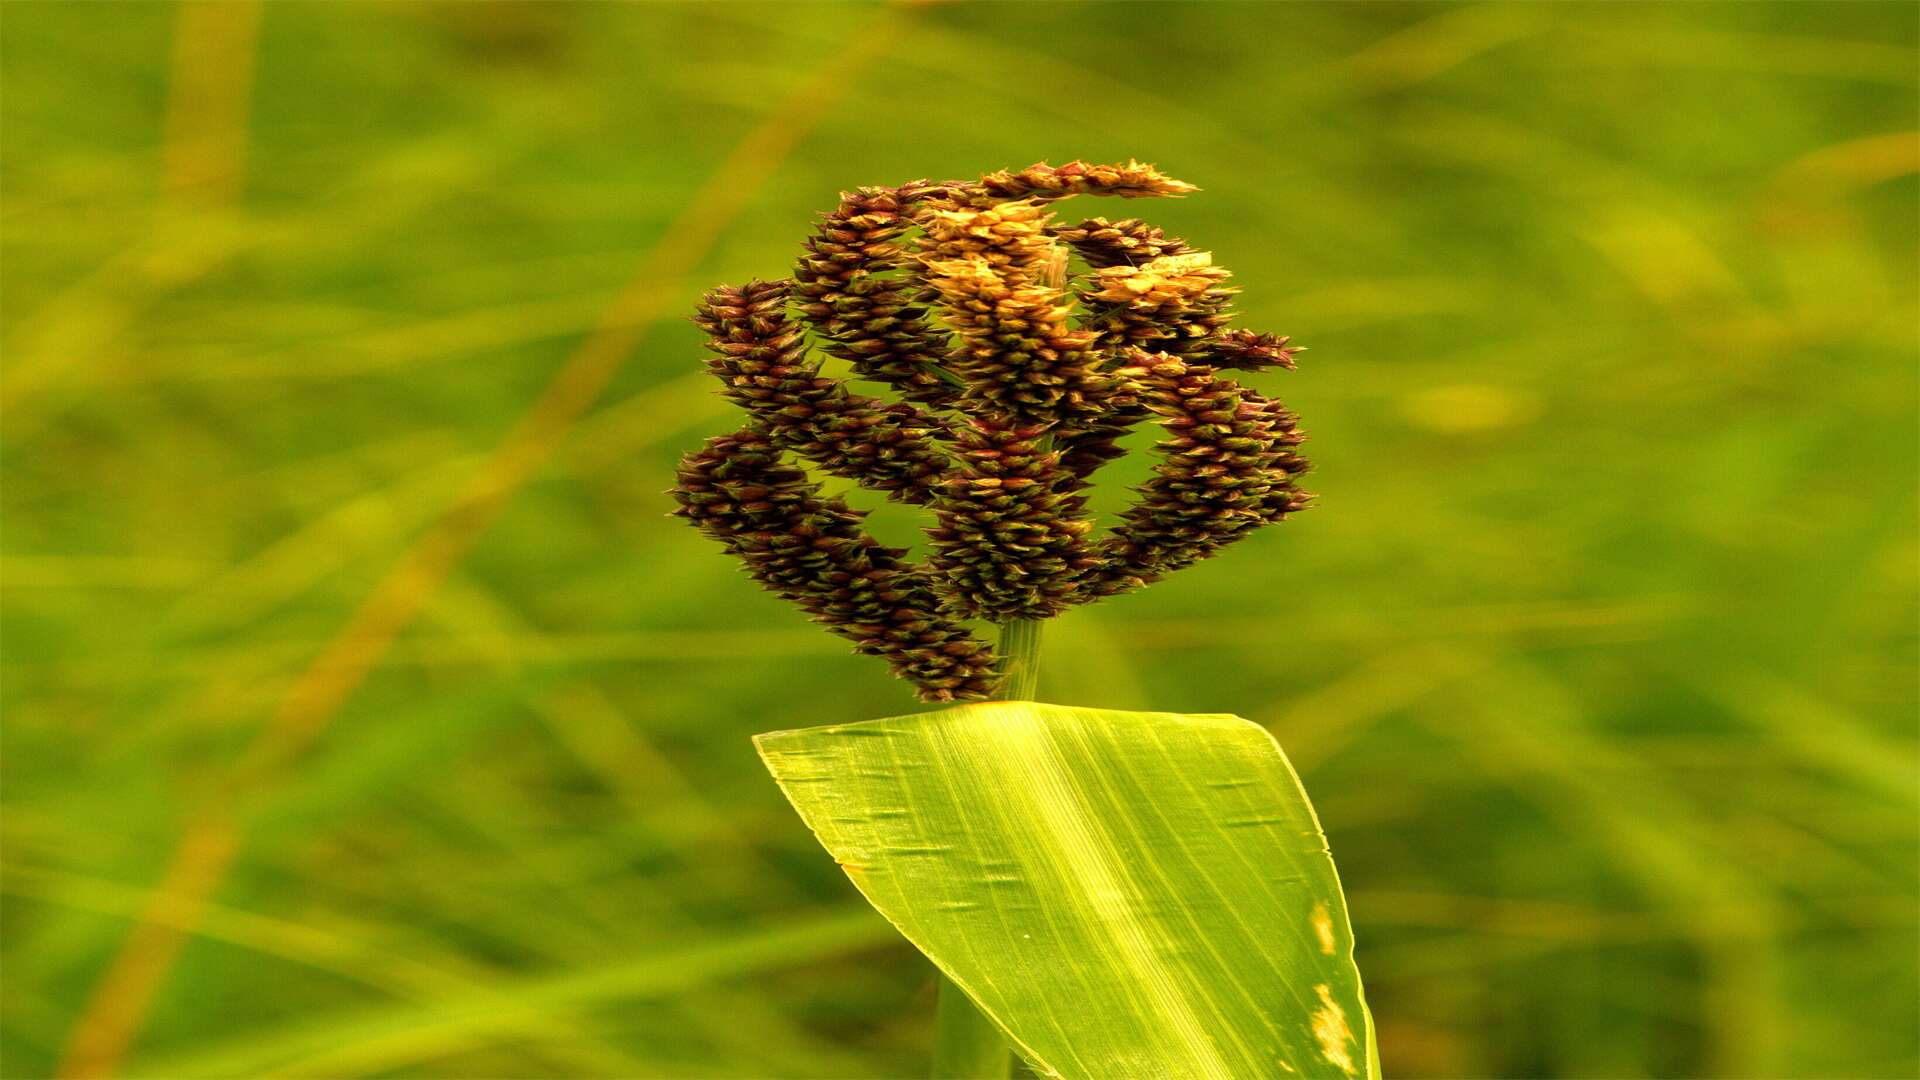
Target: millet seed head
(1017, 378)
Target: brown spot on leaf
(1330, 1027)
(1323, 928)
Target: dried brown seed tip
(1132, 180)
(1127, 242)
(1248, 351)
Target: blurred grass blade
(1127, 894)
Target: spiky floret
(811, 550)
(1018, 353)
(1127, 242)
(1228, 467)
(1248, 351)
(1170, 303)
(1010, 239)
(859, 289)
(761, 359)
(996, 272)
(1010, 540)
(1147, 290)
(1132, 260)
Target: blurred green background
(364, 714)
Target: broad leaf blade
(1127, 894)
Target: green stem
(1020, 649)
(967, 1045)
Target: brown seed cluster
(1019, 377)
(1017, 351)
(1010, 542)
(811, 550)
(1227, 468)
(859, 289)
(761, 359)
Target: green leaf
(1126, 894)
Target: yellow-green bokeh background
(365, 715)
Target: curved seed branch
(1130, 181)
(1011, 540)
(761, 358)
(1149, 291)
(1228, 467)
(810, 549)
(860, 290)
(1017, 352)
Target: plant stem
(967, 1045)
(1020, 647)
